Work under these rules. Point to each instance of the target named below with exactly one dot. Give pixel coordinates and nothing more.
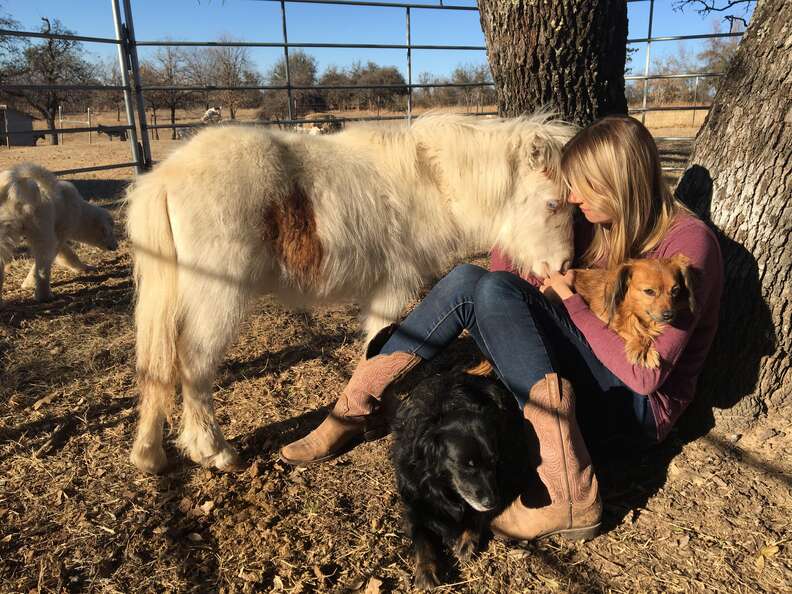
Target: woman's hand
(560, 284)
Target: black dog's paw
(426, 577)
(467, 545)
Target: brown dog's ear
(616, 293)
(687, 278)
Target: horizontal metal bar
(23, 87)
(64, 130)
(306, 121)
(438, 6)
(674, 168)
(13, 33)
(674, 108)
(276, 44)
(663, 76)
(309, 87)
(683, 37)
(95, 168)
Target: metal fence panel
(134, 90)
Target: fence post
(286, 54)
(646, 66)
(123, 65)
(409, 70)
(90, 139)
(135, 65)
(60, 123)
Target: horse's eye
(552, 205)
(649, 292)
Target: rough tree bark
(744, 150)
(565, 54)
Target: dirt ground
(706, 513)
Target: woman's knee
(465, 276)
(495, 287)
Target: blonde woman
(543, 350)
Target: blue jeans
(525, 336)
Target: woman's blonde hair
(613, 164)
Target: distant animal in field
(186, 132)
(637, 299)
(323, 123)
(112, 131)
(460, 457)
(212, 116)
(366, 215)
(48, 213)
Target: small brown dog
(637, 299)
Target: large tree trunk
(565, 54)
(744, 150)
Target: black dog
(459, 452)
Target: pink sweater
(683, 346)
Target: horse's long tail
(156, 308)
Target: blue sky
(253, 20)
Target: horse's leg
(385, 307)
(213, 309)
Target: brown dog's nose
(668, 315)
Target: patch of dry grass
(704, 515)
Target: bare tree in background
(50, 62)
(715, 57)
(167, 69)
(473, 97)
(199, 72)
(232, 66)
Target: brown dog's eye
(674, 291)
(649, 292)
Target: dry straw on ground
(704, 515)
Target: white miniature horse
(367, 215)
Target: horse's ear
(615, 294)
(549, 157)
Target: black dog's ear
(615, 294)
(427, 448)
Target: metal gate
(134, 91)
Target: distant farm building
(21, 124)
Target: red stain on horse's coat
(290, 227)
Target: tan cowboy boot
(357, 415)
(565, 469)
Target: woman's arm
(702, 249)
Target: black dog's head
(467, 454)
(446, 442)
